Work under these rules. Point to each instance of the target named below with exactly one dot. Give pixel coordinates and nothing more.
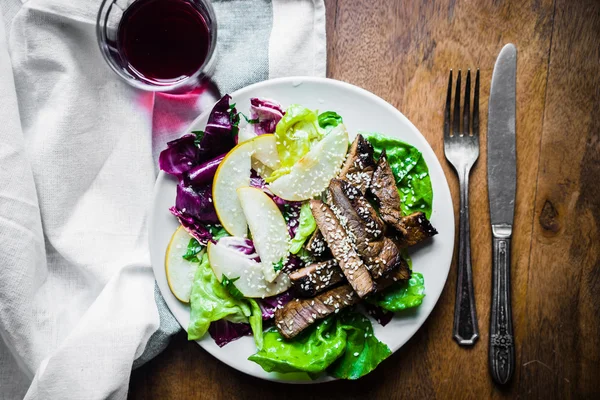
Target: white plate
(361, 111)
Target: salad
(294, 234)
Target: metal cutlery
(461, 148)
(502, 184)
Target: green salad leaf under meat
(410, 170)
(343, 346)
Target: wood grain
(561, 352)
(402, 51)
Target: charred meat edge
(412, 229)
(299, 314)
(364, 209)
(309, 281)
(383, 186)
(379, 253)
(316, 277)
(359, 165)
(342, 249)
(317, 246)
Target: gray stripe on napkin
(244, 28)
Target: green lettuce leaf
(306, 226)
(363, 351)
(193, 249)
(402, 295)
(313, 351)
(343, 345)
(410, 170)
(211, 300)
(217, 231)
(329, 120)
(256, 323)
(295, 134)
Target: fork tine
(456, 117)
(467, 107)
(476, 106)
(447, 109)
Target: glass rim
(139, 84)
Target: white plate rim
(441, 192)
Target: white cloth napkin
(78, 147)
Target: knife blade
(502, 184)
(501, 144)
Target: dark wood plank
(561, 351)
(402, 51)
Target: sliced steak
(379, 253)
(364, 209)
(359, 165)
(342, 248)
(316, 277)
(413, 229)
(299, 314)
(401, 273)
(383, 186)
(317, 246)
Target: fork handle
(466, 330)
(502, 345)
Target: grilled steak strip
(342, 248)
(316, 277)
(379, 253)
(359, 165)
(364, 209)
(317, 246)
(383, 187)
(299, 314)
(412, 228)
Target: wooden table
(402, 51)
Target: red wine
(163, 40)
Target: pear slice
(180, 272)
(269, 230)
(251, 282)
(233, 173)
(265, 151)
(311, 174)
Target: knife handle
(466, 330)
(502, 345)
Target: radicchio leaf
(196, 229)
(220, 131)
(180, 156)
(242, 245)
(197, 203)
(267, 113)
(269, 305)
(223, 331)
(203, 173)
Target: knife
(502, 184)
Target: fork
(462, 150)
